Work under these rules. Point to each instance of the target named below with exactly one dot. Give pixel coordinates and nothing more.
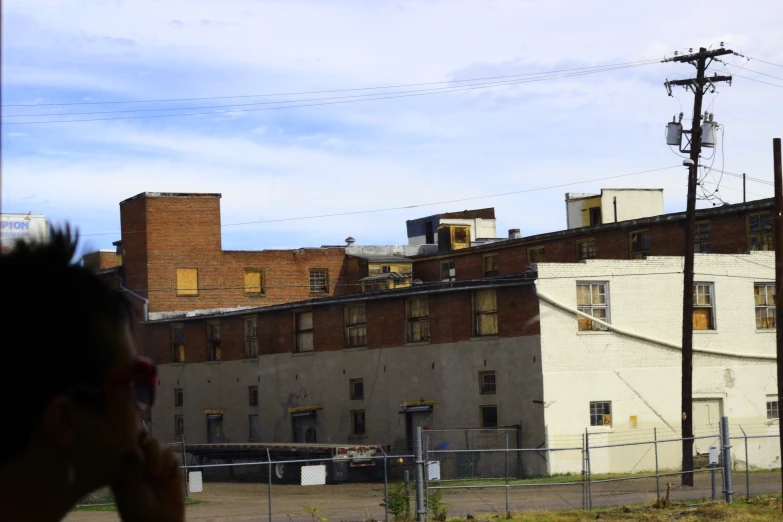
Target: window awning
(414, 406)
(302, 411)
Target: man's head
(69, 361)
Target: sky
(408, 151)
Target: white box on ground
(433, 470)
(713, 455)
(314, 475)
(195, 484)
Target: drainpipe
(615, 209)
(145, 301)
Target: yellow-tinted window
(187, 281)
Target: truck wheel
(283, 473)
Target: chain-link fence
(465, 476)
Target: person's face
(106, 433)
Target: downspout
(145, 301)
(615, 209)
(642, 337)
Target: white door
(706, 421)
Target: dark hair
(57, 319)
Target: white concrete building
(621, 377)
(612, 206)
(424, 231)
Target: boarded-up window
(254, 431)
(764, 296)
(304, 331)
(592, 299)
(760, 235)
(319, 281)
(491, 265)
(703, 306)
(585, 249)
(213, 339)
(178, 343)
(639, 243)
(254, 281)
(187, 281)
(417, 313)
(485, 312)
(601, 413)
(355, 325)
(536, 255)
(251, 337)
(701, 237)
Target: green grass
(112, 507)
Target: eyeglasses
(141, 376)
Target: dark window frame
(598, 412)
(356, 393)
(482, 416)
(487, 386)
(356, 425)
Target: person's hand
(149, 487)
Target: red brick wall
(728, 235)
(184, 231)
(450, 321)
(97, 261)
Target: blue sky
(375, 154)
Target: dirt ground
(226, 502)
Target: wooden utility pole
(779, 273)
(699, 85)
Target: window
(585, 249)
(178, 343)
(703, 306)
(254, 431)
(179, 397)
(213, 347)
(595, 216)
(491, 265)
(760, 235)
(254, 281)
(701, 237)
(187, 281)
(485, 312)
(252, 395)
(487, 383)
(251, 337)
(773, 411)
(601, 413)
(592, 299)
(536, 255)
(764, 294)
(447, 271)
(355, 325)
(489, 416)
(304, 331)
(319, 281)
(417, 313)
(179, 425)
(640, 244)
(358, 426)
(357, 389)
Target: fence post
(584, 477)
(269, 459)
(724, 424)
(589, 483)
(419, 475)
(184, 469)
(657, 470)
(385, 485)
(508, 513)
(747, 465)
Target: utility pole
(699, 85)
(779, 269)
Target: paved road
(360, 502)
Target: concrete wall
(577, 214)
(446, 373)
(631, 204)
(479, 228)
(641, 378)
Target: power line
(433, 90)
(410, 206)
(763, 61)
(385, 97)
(751, 70)
(645, 62)
(758, 81)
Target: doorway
(215, 433)
(706, 421)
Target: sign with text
(21, 227)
